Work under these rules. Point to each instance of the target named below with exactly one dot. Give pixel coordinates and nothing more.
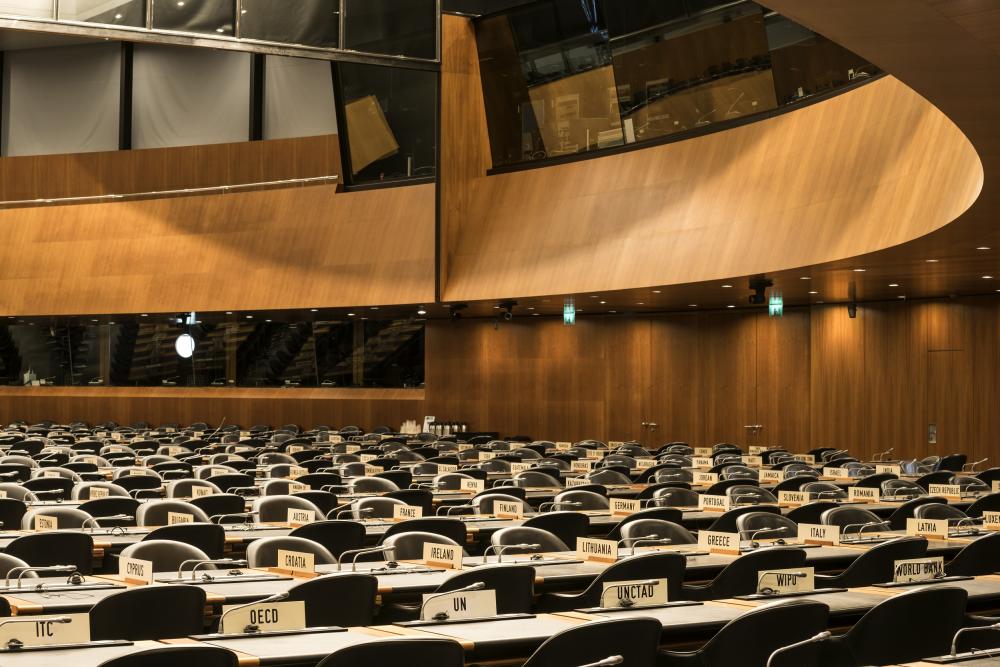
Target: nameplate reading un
(508, 510)
(861, 494)
(935, 529)
(719, 543)
(474, 485)
(269, 617)
(447, 556)
(297, 517)
(135, 571)
(296, 561)
(405, 512)
(625, 506)
(812, 533)
(917, 569)
(47, 632)
(771, 476)
(798, 580)
(602, 551)
(793, 498)
(174, 518)
(458, 606)
(632, 594)
(43, 522)
(709, 503)
(946, 490)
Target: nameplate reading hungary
(631, 594)
(296, 562)
(917, 569)
(601, 551)
(447, 556)
(719, 543)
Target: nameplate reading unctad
(630, 594)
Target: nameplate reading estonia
(936, 529)
(447, 556)
(793, 498)
(709, 503)
(632, 594)
(296, 561)
(508, 510)
(46, 632)
(796, 580)
(719, 543)
(458, 606)
(812, 533)
(404, 512)
(625, 506)
(297, 517)
(602, 551)
(862, 494)
(917, 569)
(269, 617)
(135, 571)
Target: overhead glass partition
(216, 17)
(309, 23)
(392, 27)
(123, 12)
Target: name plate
(576, 481)
(447, 556)
(709, 503)
(837, 473)
(704, 478)
(814, 533)
(602, 551)
(947, 490)
(995, 486)
(805, 458)
(201, 491)
(298, 517)
(365, 458)
(888, 469)
(406, 512)
(798, 580)
(352, 449)
(47, 632)
(756, 450)
(296, 562)
(474, 485)
(582, 465)
(645, 464)
(564, 446)
(295, 449)
(771, 476)
(446, 467)
(174, 451)
(991, 520)
(625, 507)
(334, 438)
(298, 487)
(753, 461)
(44, 522)
(174, 518)
(935, 529)
(719, 543)
(464, 446)
(594, 454)
(703, 451)
(793, 498)
(508, 510)
(633, 594)
(703, 462)
(51, 474)
(516, 468)
(458, 606)
(135, 571)
(98, 492)
(862, 494)
(371, 471)
(264, 617)
(917, 569)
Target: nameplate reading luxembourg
(135, 571)
(888, 469)
(459, 606)
(917, 569)
(474, 485)
(991, 520)
(771, 476)
(862, 494)
(299, 517)
(98, 492)
(704, 462)
(48, 632)
(797, 580)
(447, 556)
(719, 543)
(406, 512)
(813, 533)
(995, 486)
(952, 491)
(713, 503)
(793, 498)
(43, 522)
(601, 551)
(265, 617)
(633, 594)
(704, 478)
(508, 510)
(296, 562)
(174, 518)
(935, 529)
(625, 506)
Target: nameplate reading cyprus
(269, 617)
(297, 517)
(917, 569)
(405, 512)
(632, 594)
(135, 571)
(719, 543)
(296, 562)
(447, 556)
(602, 551)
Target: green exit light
(776, 305)
(569, 313)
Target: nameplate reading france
(917, 569)
(709, 503)
(458, 606)
(602, 551)
(135, 571)
(813, 533)
(48, 632)
(862, 494)
(632, 594)
(297, 517)
(935, 529)
(625, 506)
(264, 617)
(405, 512)
(296, 562)
(719, 543)
(508, 510)
(447, 556)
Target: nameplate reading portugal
(813, 533)
(264, 617)
(917, 569)
(719, 543)
(632, 594)
(447, 556)
(406, 512)
(48, 632)
(298, 517)
(602, 551)
(296, 562)
(798, 580)
(936, 529)
(862, 494)
(625, 506)
(135, 571)
(458, 606)
(713, 503)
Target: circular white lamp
(185, 346)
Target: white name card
(645, 464)
(633, 594)
(703, 451)
(704, 478)
(464, 446)
(756, 450)
(297, 471)
(447, 556)
(719, 543)
(3, 494)
(516, 468)
(174, 518)
(805, 458)
(594, 454)
(793, 498)
(704, 462)
(771, 476)
(576, 481)
(299, 517)
(474, 485)
(51, 474)
(295, 449)
(406, 512)
(996, 486)
(353, 449)
(862, 494)
(836, 473)
(991, 520)
(564, 446)
(458, 606)
(264, 617)
(796, 580)
(44, 522)
(813, 533)
(135, 571)
(175, 451)
(601, 551)
(371, 471)
(625, 506)
(936, 529)
(47, 632)
(365, 458)
(297, 487)
(201, 491)
(752, 461)
(615, 444)
(296, 561)
(946, 490)
(98, 492)
(713, 503)
(888, 469)
(917, 569)
(487, 456)
(508, 510)
(582, 465)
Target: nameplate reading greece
(719, 543)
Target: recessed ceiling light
(118, 17)
(229, 312)
(983, 247)
(642, 303)
(603, 302)
(144, 315)
(727, 286)
(860, 270)
(814, 292)
(901, 296)
(249, 317)
(730, 306)
(421, 312)
(987, 277)
(535, 314)
(692, 305)
(267, 320)
(612, 311)
(95, 320)
(374, 307)
(531, 307)
(931, 261)
(805, 278)
(314, 310)
(593, 296)
(893, 284)
(350, 314)
(656, 291)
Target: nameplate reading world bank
(632, 594)
(917, 569)
(796, 580)
(297, 517)
(861, 494)
(935, 529)
(625, 506)
(771, 476)
(713, 503)
(265, 617)
(719, 543)
(508, 510)
(812, 533)
(406, 512)
(951, 491)
(135, 571)
(602, 551)
(793, 498)
(459, 606)
(47, 632)
(447, 556)
(296, 562)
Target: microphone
(752, 496)
(954, 640)
(831, 494)
(361, 552)
(815, 639)
(246, 516)
(970, 467)
(449, 508)
(21, 571)
(253, 629)
(501, 549)
(774, 531)
(441, 615)
(881, 456)
(967, 520)
(553, 505)
(607, 662)
(765, 574)
(95, 523)
(198, 562)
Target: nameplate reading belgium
(448, 556)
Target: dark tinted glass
(144, 354)
(130, 13)
(61, 354)
(392, 27)
(312, 23)
(207, 16)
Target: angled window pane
(392, 27)
(113, 12)
(298, 98)
(312, 23)
(207, 16)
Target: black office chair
(354, 595)
(792, 483)
(953, 462)
(979, 557)
(653, 565)
(229, 481)
(750, 639)
(903, 628)
(421, 498)
(875, 481)
(810, 512)
(740, 577)
(67, 517)
(852, 519)
(8, 563)
(514, 586)
(410, 546)
(220, 504)
(436, 652)
(546, 541)
(897, 520)
(609, 477)
(970, 484)
(726, 523)
(336, 536)
(721, 488)
(824, 491)
(12, 511)
(676, 497)
(654, 529)
(567, 526)
(208, 537)
(150, 612)
(988, 503)
(453, 529)
(744, 494)
(939, 511)
(662, 513)
(264, 552)
(636, 640)
(936, 477)
(588, 500)
(62, 548)
(768, 525)
(876, 565)
(194, 656)
(324, 500)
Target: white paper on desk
(270, 617)
(470, 604)
(44, 632)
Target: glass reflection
(202, 16)
(312, 23)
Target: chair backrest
(567, 526)
(264, 552)
(655, 529)
(979, 557)
(901, 488)
(852, 518)
(275, 508)
(740, 577)
(936, 477)
(485, 503)
(410, 545)
(675, 497)
(897, 520)
(220, 504)
(453, 529)
(546, 541)
(778, 526)
(156, 512)
(645, 565)
(939, 511)
(82, 491)
(662, 513)
(810, 512)
(609, 477)
(987, 503)
(202, 656)
(436, 652)
(8, 562)
(877, 565)
(588, 500)
(336, 536)
(753, 495)
(149, 612)
(166, 555)
(824, 491)
(514, 585)
(721, 488)
(636, 640)
(208, 537)
(373, 508)
(372, 485)
(537, 479)
(67, 517)
(43, 549)
(726, 523)
(354, 594)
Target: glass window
(144, 355)
(392, 27)
(393, 354)
(52, 353)
(311, 23)
(41, 9)
(298, 98)
(206, 16)
(127, 12)
(390, 114)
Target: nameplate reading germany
(447, 556)
(602, 551)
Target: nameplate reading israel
(812, 533)
(405, 512)
(48, 632)
(43, 522)
(97, 492)
(917, 569)
(713, 503)
(625, 506)
(458, 606)
(602, 551)
(135, 571)
(263, 617)
(296, 561)
(508, 510)
(836, 473)
(174, 518)
(632, 594)
(936, 529)
(447, 556)
(953, 491)
(719, 543)
(299, 517)
(564, 446)
(862, 494)
(771, 476)
(776, 582)
(474, 485)
(704, 462)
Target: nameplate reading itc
(917, 569)
(936, 529)
(625, 506)
(632, 594)
(297, 517)
(602, 551)
(861, 494)
(135, 571)
(47, 632)
(447, 556)
(296, 562)
(719, 543)
(812, 533)
(264, 617)
(709, 503)
(459, 606)
(405, 512)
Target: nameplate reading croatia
(632, 594)
(296, 562)
(602, 551)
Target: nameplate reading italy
(719, 543)
(602, 551)
(798, 580)
(709, 503)
(264, 617)
(135, 571)
(935, 529)
(917, 569)
(631, 594)
(753, 461)
(862, 494)
(625, 506)
(297, 517)
(458, 606)
(508, 509)
(47, 632)
(447, 556)
(813, 533)
(404, 512)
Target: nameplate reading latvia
(508, 510)
(135, 571)
(719, 543)
(458, 606)
(602, 551)
(935, 529)
(917, 569)
(296, 562)
(861, 494)
(796, 580)
(812, 533)
(633, 594)
(174, 518)
(953, 491)
(709, 503)
(47, 632)
(406, 512)
(264, 617)
(298, 517)
(625, 506)
(447, 556)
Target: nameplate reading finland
(508, 510)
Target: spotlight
(185, 345)
(759, 285)
(456, 310)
